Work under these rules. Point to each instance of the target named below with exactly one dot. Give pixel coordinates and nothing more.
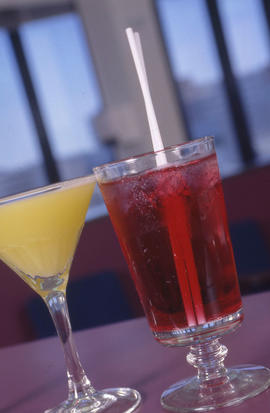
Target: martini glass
(168, 211)
(39, 233)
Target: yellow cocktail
(39, 231)
(39, 234)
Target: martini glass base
(242, 382)
(118, 400)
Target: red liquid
(172, 227)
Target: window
(21, 162)
(67, 91)
(198, 71)
(67, 98)
(246, 33)
(199, 77)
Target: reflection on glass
(20, 153)
(198, 74)
(246, 33)
(67, 91)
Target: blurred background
(70, 100)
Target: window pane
(20, 156)
(246, 33)
(67, 91)
(198, 75)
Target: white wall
(123, 116)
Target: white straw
(137, 54)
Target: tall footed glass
(168, 210)
(39, 232)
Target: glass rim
(47, 188)
(188, 144)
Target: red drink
(172, 226)
(168, 210)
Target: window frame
(115, 15)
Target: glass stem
(208, 358)
(78, 383)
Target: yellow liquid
(39, 234)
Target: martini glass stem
(78, 383)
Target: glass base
(197, 334)
(242, 382)
(118, 400)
